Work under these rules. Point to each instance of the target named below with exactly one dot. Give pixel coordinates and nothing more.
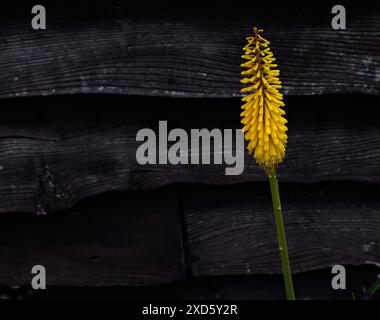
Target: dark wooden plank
(230, 229)
(314, 285)
(54, 157)
(134, 239)
(114, 240)
(184, 50)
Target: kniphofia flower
(264, 124)
(265, 129)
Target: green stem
(376, 286)
(281, 236)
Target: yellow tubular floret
(262, 115)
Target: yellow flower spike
(264, 128)
(263, 112)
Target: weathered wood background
(70, 148)
(184, 50)
(73, 97)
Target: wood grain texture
(52, 158)
(185, 231)
(309, 286)
(114, 240)
(231, 229)
(184, 50)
